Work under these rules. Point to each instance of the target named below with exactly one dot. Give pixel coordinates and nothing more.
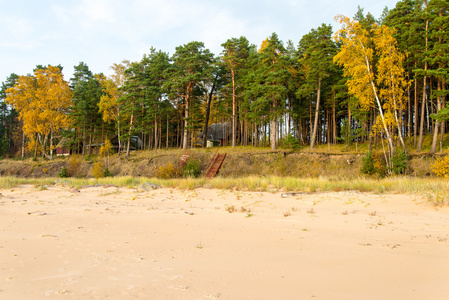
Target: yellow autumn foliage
(75, 162)
(106, 149)
(98, 170)
(108, 105)
(384, 89)
(43, 101)
(356, 58)
(264, 45)
(441, 167)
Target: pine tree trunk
(155, 134)
(310, 129)
(443, 123)
(118, 132)
(160, 133)
(273, 127)
(166, 140)
(84, 141)
(90, 144)
(234, 110)
(334, 123)
(206, 121)
(423, 113)
(424, 97)
(186, 116)
(315, 125)
(437, 123)
(129, 137)
(273, 134)
(415, 119)
(177, 134)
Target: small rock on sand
(147, 186)
(74, 190)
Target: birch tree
(384, 90)
(43, 102)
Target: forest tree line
(381, 81)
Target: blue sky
(103, 32)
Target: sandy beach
(117, 243)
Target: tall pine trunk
(186, 133)
(234, 110)
(415, 119)
(155, 134)
(315, 125)
(423, 113)
(424, 97)
(437, 123)
(206, 121)
(273, 127)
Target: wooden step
(215, 166)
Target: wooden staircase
(215, 165)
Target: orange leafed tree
(43, 101)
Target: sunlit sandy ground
(116, 243)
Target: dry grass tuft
(245, 210)
(231, 209)
(435, 189)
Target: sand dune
(116, 243)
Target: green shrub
(64, 173)
(399, 162)
(368, 164)
(107, 173)
(290, 142)
(375, 163)
(191, 169)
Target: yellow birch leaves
(386, 79)
(356, 58)
(382, 82)
(43, 101)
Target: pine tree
(438, 57)
(8, 118)
(154, 66)
(87, 93)
(267, 85)
(316, 50)
(191, 65)
(234, 56)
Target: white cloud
(99, 10)
(103, 32)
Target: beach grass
(437, 190)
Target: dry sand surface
(116, 243)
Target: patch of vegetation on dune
(245, 168)
(436, 190)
